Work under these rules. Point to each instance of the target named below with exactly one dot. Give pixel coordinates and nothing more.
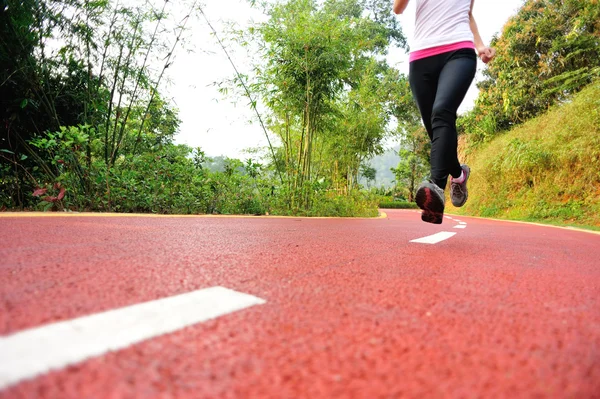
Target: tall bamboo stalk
(134, 96)
(114, 143)
(248, 93)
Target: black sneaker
(458, 191)
(430, 198)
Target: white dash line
(461, 222)
(32, 352)
(436, 238)
(460, 226)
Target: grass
(546, 171)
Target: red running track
(354, 309)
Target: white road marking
(461, 222)
(32, 352)
(460, 226)
(436, 238)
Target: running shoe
(458, 191)
(430, 198)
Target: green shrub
(398, 205)
(329, 203)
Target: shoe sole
(462, 203)
(433, 208)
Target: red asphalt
(354, 309)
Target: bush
(330, 203)
(398, 205)
(167, 179)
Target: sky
(226, 125)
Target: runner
(442, 66)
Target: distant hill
(382, 164)
(215, 164)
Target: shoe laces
(457, 186)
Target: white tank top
(441, 22)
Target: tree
(414, 162)
(368, 173)
(547, 51)
(81, 67)
(321, 81)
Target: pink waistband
(430, 52)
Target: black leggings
(439, 84)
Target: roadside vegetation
(546, 170)
(86, 125)
(532, 139)
(86, 128)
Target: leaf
(39, 191)
(61, 194)
(6, 151)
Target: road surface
(227, 307)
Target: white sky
(215, 123)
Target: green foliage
(545, 170)
(383, 163)
(70, 63)
(398, 205)
(547, 51)
(64, 150)
(414, 162)
(84, 125)
(478, 128)
(528, 157)
(171, 179)
(331, 203)
(369, 173)
(324, 85)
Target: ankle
(460, 179)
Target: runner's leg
(423, 79)
(454, 81)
